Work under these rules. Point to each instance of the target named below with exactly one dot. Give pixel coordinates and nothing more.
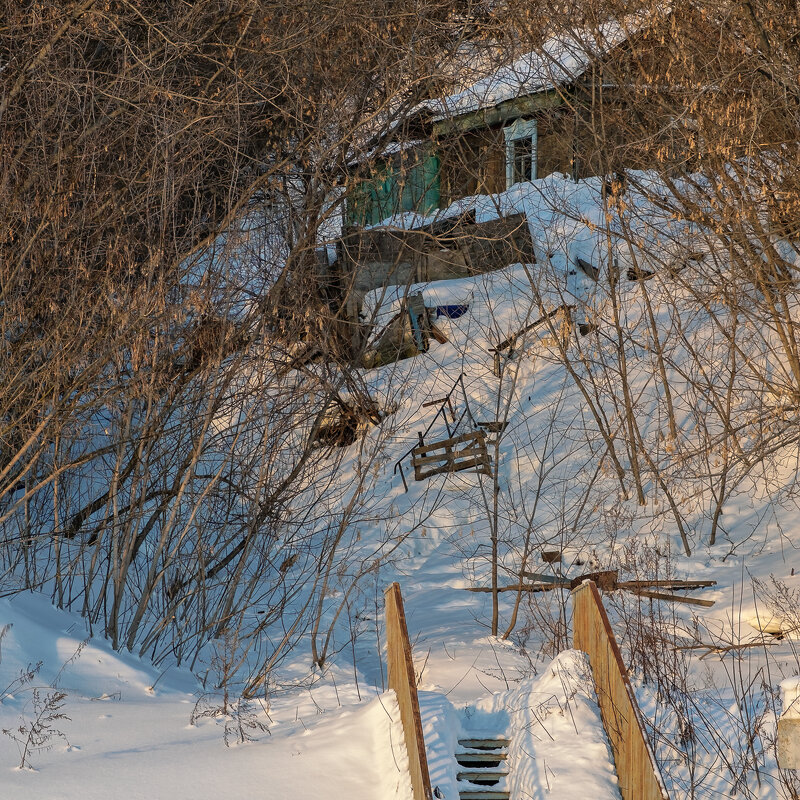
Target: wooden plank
(606, 580)
(529, 587)
(481, 775)
(485, 757)
(402, 681)
(464, 437)
(541, 578)
(509, 109)
(451, 456)
(438, 334)
(672, 598)
(494, 426)
(495, 743)
(637, 771)
(485, 464)
(455, 461)
(449, 452)
(440, 468)
(437, 402)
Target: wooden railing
(638, 774)
(402, 680)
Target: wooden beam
(438, 334)
(637, 771)
(419, 461)
(541, 578)
(525, 587)
(508, 110)
(422, 449)
(484, 466)
(672, 598)
(437, 402)
(666, 584)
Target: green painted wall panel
(391, 188)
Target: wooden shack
(562, 107)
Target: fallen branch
(726, 648)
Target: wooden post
(638, 774)
(401, 679)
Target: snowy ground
(128, 732)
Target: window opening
(520, 151)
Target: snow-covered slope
(565, 424)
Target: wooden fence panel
(639, 777)
(402, 680)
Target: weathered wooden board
(540, 577)
(450, 455)
(402, 681)
(665, 584)
(525, 587)
(480, 466)
(638, 774)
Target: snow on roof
(559, 61)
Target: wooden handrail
(637, 771)
(403, 682)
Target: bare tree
(170, 350)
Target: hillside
(614, 448)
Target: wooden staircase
(482, 768)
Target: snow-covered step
(483, 768)
(487, 743)
(482, 777)
(479, 760)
